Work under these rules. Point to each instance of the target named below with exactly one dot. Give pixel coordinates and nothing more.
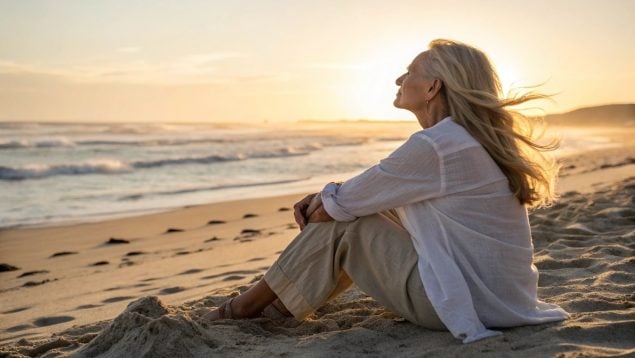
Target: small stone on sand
(135, 253)
(250, 232)
(114, 240)
(171, 230)
(30, 273)
(7, 267)
(63, 253)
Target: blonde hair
(474, 96)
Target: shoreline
(309, 185)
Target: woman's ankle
(280, 307)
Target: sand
(132, 286)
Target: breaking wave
(112, 166)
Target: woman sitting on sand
(437, 231)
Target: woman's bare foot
(246, 305)
(224, 311)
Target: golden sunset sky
(226, 61)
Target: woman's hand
(300, 210)
(310, 209)
(319, 215)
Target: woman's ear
(436, 86)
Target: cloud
(201, 68)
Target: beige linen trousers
(375, 252)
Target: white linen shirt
(470, 232)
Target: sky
(255, 61)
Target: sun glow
(374, 86)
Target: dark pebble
(29, 273)
(7, 267)
(35, 283)
(215, 222)
(100, 263)
(247, 216)
(63, 253)
(135, 253)
(171, 230)
(114, 240)
(250, 231)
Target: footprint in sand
(49, 321)
(171, 290)
(15, 310)
(173, 230)
(550, 264)
(100, 263)
(216, 222)
(150, 279)
(284, 209)
(249, 215)
(6, 267)
(233, 278)
(30, 273)
(256, 259)
(239, 272)
(182, 253)
(83, 307)
(142, 285)
(36, 283)
(247, 234)
(63, 253)
(598, 304)
(215, 238)
(117, 299)
(19, 328)
(116, 241)
(191, 271)
(621, 278)
(135, 253)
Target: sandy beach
(132, 286)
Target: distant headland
(606, 115)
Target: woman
(438, 231)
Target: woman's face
(412, 87)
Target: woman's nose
(399, 80)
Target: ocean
(56, 173)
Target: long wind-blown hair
(476, 101)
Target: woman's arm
(410, 174)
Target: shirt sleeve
(412, 173)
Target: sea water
(51, 173)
